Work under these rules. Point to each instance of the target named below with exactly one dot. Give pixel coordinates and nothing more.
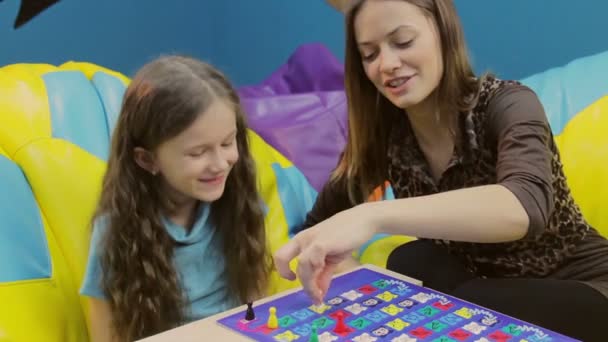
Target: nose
(218, 161)
(389, 61)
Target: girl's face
(400, 51)
(195, 164)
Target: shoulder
(99, 229)
(493, 90)
(92, 281)
(505, 103)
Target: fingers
(324, 279)
(283, 257)
(310, 265)
(315, 275)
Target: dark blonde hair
(144, 293)
(363, 165)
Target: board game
(366, 305)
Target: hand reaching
(321, 248)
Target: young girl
(179, 231)
(475, 171)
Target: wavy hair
(144, 292)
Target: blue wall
(517, 38)
(118, 34)
(258, 36)
(514, 38)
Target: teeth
(397, 82)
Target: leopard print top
(475, 163)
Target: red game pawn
(340, 326)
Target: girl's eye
(369, 56)
(196, 153)
(405, 44)
(230, 142)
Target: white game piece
(365, 338)
(474, 328)
(403, 338)
(351, 295)
(327, 337)
(421, 297)
(355, 309)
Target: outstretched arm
(486, 214)
(517, 206)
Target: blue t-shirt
(198, 260)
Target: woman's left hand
(321, 248)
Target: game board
(378, 307)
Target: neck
(184, 215)
(183, 210)
(429, 123)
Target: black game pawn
(249, 315)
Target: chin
(210, 195)
(402, 103)
(408, 101)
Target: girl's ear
(145, 159)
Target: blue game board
(381, 308)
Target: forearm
(485, 214)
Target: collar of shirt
(404, 153)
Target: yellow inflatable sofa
(55, 124)
(54, 140)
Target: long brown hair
(363, 165)
(143, 288)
